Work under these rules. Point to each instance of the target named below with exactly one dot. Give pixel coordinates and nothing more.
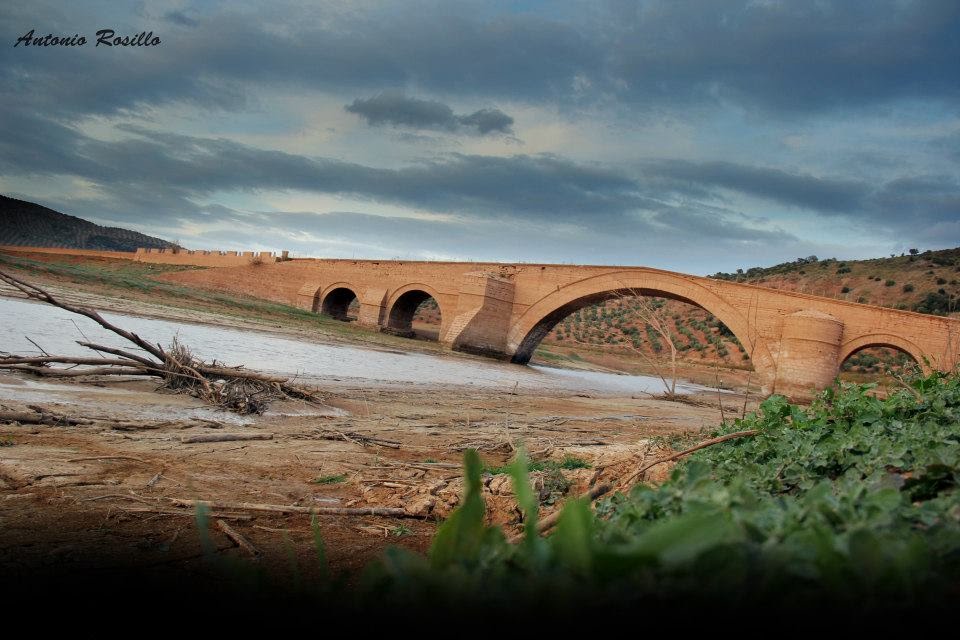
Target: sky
(696, 136)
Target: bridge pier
(808, 358)
(482, 320)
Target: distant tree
(914, 252)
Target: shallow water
(57, 331)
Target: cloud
(487, 121)
(397, 109)
(180, 18)
(540, 186)
(787, 57)
(168, 172)
(826, 195)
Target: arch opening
(342, 304)
(635, 330)
(876, 362)
(415, 314)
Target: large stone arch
(535, 323)
(403, 303)
(336, 298)
(890, 340)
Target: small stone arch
(403, 304)
(539, 318)
(336, 299)
(889, 340)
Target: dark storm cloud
(397, 109)
(796, 190)
(168, 172)
(487, 121)
(180, 18)
(520, 57)
(152, 163)
(784, 57)
(787, 57)
(901, 203)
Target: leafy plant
(852, 503)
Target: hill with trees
(28, 224)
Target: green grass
(333, 479)
(568, 463)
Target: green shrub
(852, 502)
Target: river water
(57, 331)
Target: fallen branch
(686, 452)
(279, 508)
(51, 419)
(74, 373)
(225, 437)
(118, 352)
(227, 387)
(235, 535)
(175, 512)
(106, 458)
(359, 438)
(63, 360)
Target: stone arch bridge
(797, 342)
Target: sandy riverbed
(90, 498)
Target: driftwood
(359, 438)
(106, 458)
(279, 508)
(237, 537)
(703, 445)
(245, 517)
(601, 490)
(225, 437)
(40, 417)
(228, 387)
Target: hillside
(25, 223)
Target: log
(279, 508)
(236, 536)
(226, 372)
(245, 517)
(65, 360)
(26, 417)
(225, 437)
(74, 373)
